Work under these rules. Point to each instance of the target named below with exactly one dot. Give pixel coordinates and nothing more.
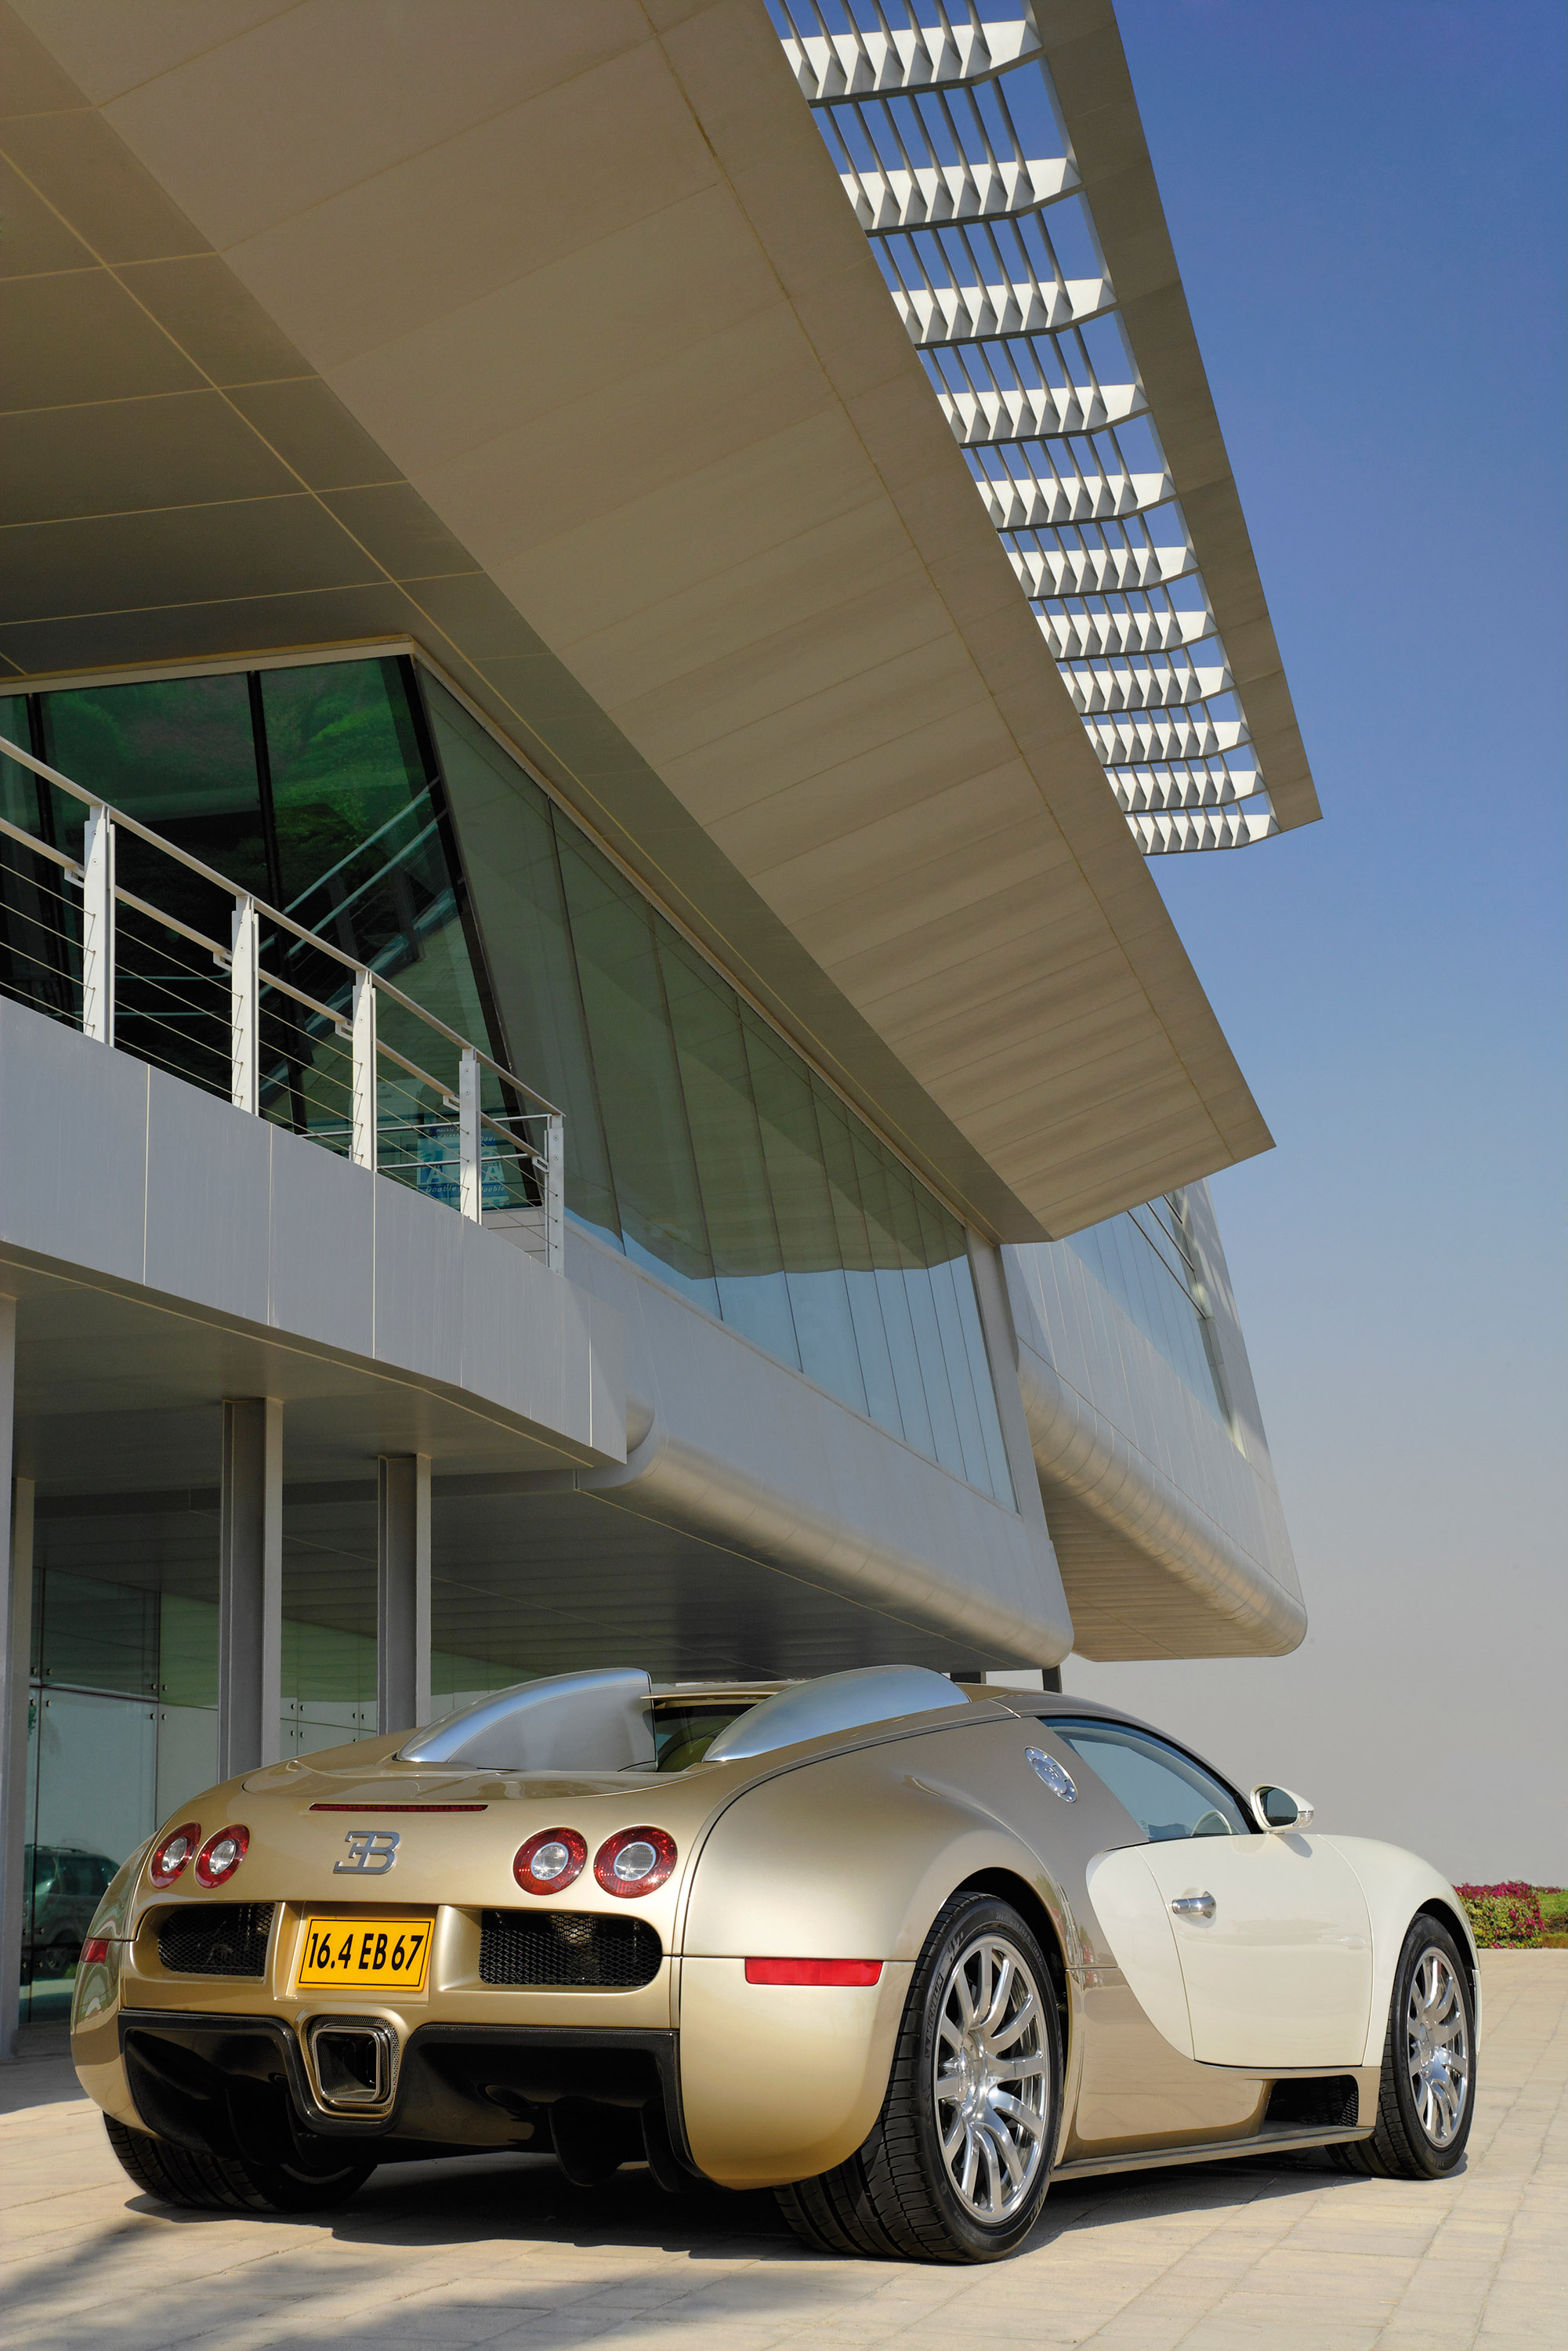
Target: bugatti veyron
(900, 1949)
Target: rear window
(683, 1733)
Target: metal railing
(314, 1059)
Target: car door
(1271, 1933)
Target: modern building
(602, 607)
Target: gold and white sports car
(902, 1949)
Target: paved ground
(503, 2253)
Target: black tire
(221, 2183)
(895, 2200)
(1402, 2147)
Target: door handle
(1193, 1906)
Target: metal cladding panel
(324, 1282)
(144, 1194)
(73, 1180)
(209, 1207)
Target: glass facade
(122, 1723)
(314, 788)
(1145, 1258)
(696, 1140)
(701, 1144)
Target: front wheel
(223, 2183)
(958, 2165)
(1426, 2098)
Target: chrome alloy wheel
(1438, 2047)
(991, 2078)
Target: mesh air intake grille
(567, 1948)
(216, 1938)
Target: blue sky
(1366, 204)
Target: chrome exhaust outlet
(354, 2061)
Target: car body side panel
(778, 1876)
(784, 1871)
(1137, 2092)
(1396, 1884)
(779, 2082)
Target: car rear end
(425, 1960)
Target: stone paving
(503, 2253)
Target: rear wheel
(221, 2183)
(1426, 2098)
(958, 2163)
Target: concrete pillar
(250, 1585)
(16, 1662)
(403, 1590)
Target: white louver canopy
(948, 136)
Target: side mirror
(1277, 1809)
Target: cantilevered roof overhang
(545, 337)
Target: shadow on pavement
(361, 2276)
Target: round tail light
(549, 1861)
(634, 1861)
(221, 1854)
(173, 1853)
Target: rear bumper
(217, 2083)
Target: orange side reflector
(812, 1972)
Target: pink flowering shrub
(1503, 1915)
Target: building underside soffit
(769, 656)
(953, 147)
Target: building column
(250, 1585)
(15, 1666)
(403, 1590)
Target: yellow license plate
(364, 1955)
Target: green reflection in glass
(40, 938)
(96, 1635)
(367, 863)
(739, 1205)
(503, 822)
(176, 754)
(807, 1233)
(635, 1061)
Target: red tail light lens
(812, 1972)
(221, 1854)
(95, 1951)
(633, 1861)
(175, 1851)
(549, 1861)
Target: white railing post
(97, 925)
(243, 992)
(469, 1189)
(362, 1142)
(555, 1193)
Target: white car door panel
(1142, 1933)
(1279, 1971)
(1241, 1949)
